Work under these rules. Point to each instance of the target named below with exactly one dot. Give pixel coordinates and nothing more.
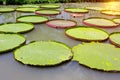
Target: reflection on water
(12, 70)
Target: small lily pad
(116, 20)
(27, 9)
(100, 22)
(16, 27)
(50, 6)
(6, 9)
(47, 12)
(61, 23)
(76, 10)
(115, 38)
(87, 34)
(32, 19)
(98, 56)
(111, 12)
(29, 6)
(43, 53)
(9, 42)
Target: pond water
(10, 69)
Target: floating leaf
(100, 22)
(61, 23)
(98, 56)
(43, 53)
(29, 6)
(50, 6)
(48, 12)
(5, 9)
(16, 27)
(27, 9)
(115, 38)
(111, 12)
(9, 42)
(87, 34)
(76, 10)
(32, 19)
(95, 8)
(116, 20)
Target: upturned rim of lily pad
(45, 65)
(101, 26)
(87, 40)
(31, 21)
(54, 26)
(17, 46)
(10, 32)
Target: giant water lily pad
(87, 34)
(116, 20)
(27, 9)
(43, 53)
(100, 22)
(115, 38)
(94, 8)
(111, 12)
(32, 19)
(16, 27)
(98, 56)
(48, 12)
(9, 42)
(61, 23)
(29, 5)
(50, 6)
(6, 9)
(76, 10)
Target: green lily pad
(48, 12)
(76, 10)
(87, 34)
(115, 38)
(98, 56)
(43, 53)
(32, 19)
(9, 42)
(6, 9)
(100, 22)
(16, 27)
(50, 6)
(116, 20)
(94, 8)
(110, 12)
(61, 23)
(29, 9)
(29, 5)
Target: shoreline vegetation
(18, 2)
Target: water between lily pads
(13, 70)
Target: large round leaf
(50, 6)
(61, 23)
(87, 34)
(43, 53)
(29, 6)
(10, 41)
(76, 10)
(27, 9)
(115, 38)
(98, 56)
(94, 8)
(32, 19)
(16, 27)
(6, 9)
(47, 12)
(116, 20)
(100, 22)
(110, 12)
